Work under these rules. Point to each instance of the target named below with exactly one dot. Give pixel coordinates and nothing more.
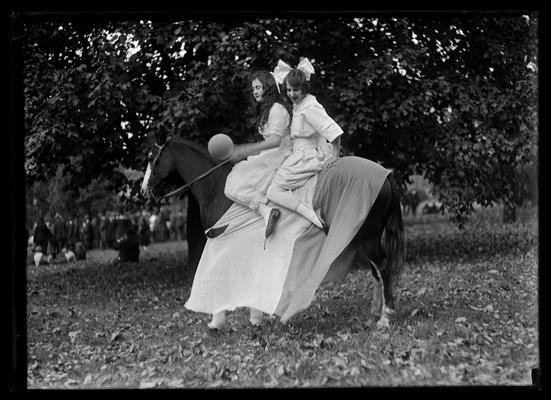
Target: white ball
(220, 146)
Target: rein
(188, 185)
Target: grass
(466, 315)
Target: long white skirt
(236, 271)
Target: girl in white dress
(249, 179)
(312, 129)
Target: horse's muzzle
(149, 193)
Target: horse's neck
(208, 191)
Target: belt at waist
(304, 143)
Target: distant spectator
(162, 224)
(121, 223)
(40, 258)
(80, 251)
(431, 208)
(180, 224)
(87, 232)
(144, 234)
(103, 231)
(153, 224)
(60, 230)
(30, 251)
(94, 221)
(173, 225)
(72, 231)
(110, 230)
(68, 254)
(127, 244)
(42, 235)
(135, 219)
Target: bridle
(187, 185)
(152, 162)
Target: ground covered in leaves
(466, 314)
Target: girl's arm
(243, 151)
(275, 129)
(326, 126)
(336, 146)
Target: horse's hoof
(383, 322)
(272, 219)
(389, 310)
(370, 323)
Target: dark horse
(380, 238)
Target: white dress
(249, 179)
(311, 131)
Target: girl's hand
(237, 155)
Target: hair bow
(306, 67)
(282, 69)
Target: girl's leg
(263, 210)
(288, 200)
(248, 201)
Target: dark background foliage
(452, 97)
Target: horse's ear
(160, 135)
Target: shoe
(324, 225)
(272, 219)
(217, 321)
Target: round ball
(220, 146)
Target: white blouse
(310, 119)
(277, 123)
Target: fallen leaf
(344, 335)
(115, 335)
(73, 335)
(70, 383)
(148, 384)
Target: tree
(450, 96)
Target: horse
(380, 240)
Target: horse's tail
(395, 246)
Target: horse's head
(160, 165)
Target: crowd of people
(74, 235)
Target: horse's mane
(198, 148)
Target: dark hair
(296, 78)
(270, 95)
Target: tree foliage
(450, 96)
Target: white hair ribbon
(306, 67)
(282, 69)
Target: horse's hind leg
(375, 254)
(387, 283)
(378, 306)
